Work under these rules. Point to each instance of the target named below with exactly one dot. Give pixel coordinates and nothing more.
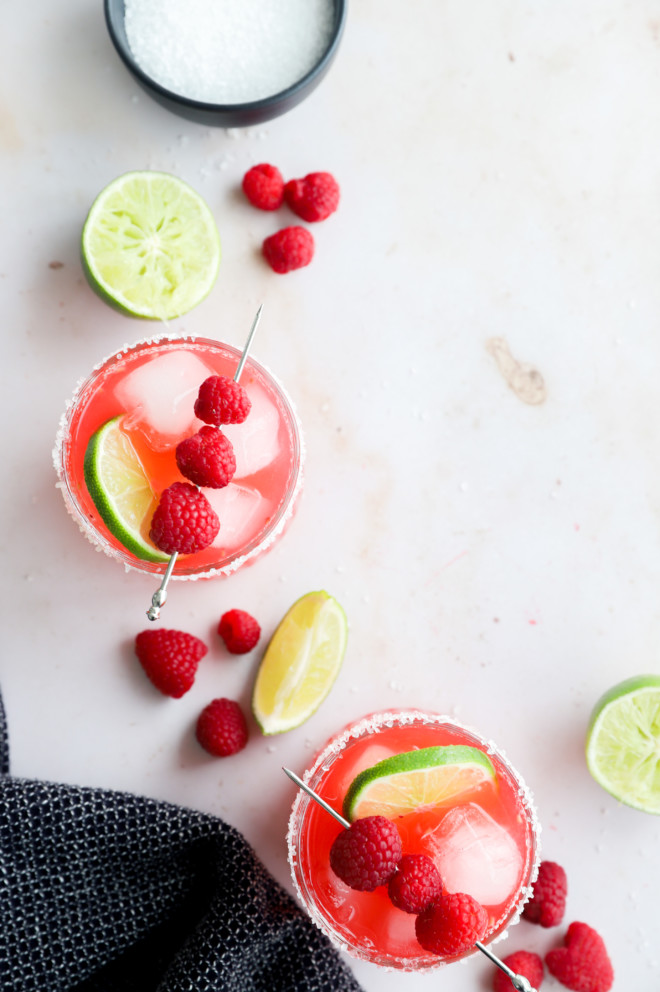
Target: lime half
(430, 776)
(623, 742)
(150, 246)
(120, 489)
(300, 664)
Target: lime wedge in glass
(150, 246)
(120, 489)
(623, 742)
(430, 776)
(301, 663)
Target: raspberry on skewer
(159, 597)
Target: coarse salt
(228, 51)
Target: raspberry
(221, 728)
(451, 925)
(415, 884)
(548, 900)
(523, 963)
(583, 964)
(239, 631)
(170, 659)
(264, 187)
(289, 249)
(366, 853)
(207, 458)
(222, 401)
(313, 198)
(183, 521)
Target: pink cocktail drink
(485, 843)
(152, 387)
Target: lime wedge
(623, 742)
(120, 489)
(300, 664)
(150, 246)
(430, 776)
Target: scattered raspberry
(239, 631)
(548, 900)
(207, 458)
(523, 963)
(415, 884)
(451, 925)
(288, 249)
(183, 521)
(313, 198)
(170, 659)
(222, 401)
(221, 728)
(583, 964)
(264, 187)
(366, 853)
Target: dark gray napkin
(104, 890)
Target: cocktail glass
(487, 844)
(154, 384)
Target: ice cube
(474, 854)
(255, 441)
(160, 396)
(241, 511)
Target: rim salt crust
(164, 68)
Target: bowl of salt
(233, 63)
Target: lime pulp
(300, 664)
(120, 489)
(150, 246)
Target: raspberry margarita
(483, 839)
(147, 393)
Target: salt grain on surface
(228, 51)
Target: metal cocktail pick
(519, 982)
(159, 597)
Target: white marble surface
(497, 559)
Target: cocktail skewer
(159, 597)
(519, 982)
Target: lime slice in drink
(120, 489)
(623, 742)
(430, 776)
(150, 246)
(300, 664)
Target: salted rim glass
(301, 873)
(72, 486)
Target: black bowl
(217, 114)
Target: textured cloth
(104, 891)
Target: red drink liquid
(153, 385)
(487, 841)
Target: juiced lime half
(300, 664)
(623, 742)
(150, 246)
(120, 489)
(430, 776)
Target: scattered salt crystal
(228, 51)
